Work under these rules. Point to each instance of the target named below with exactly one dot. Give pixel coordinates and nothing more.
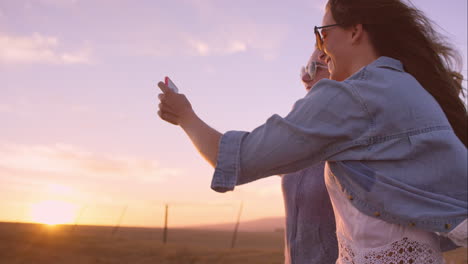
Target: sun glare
(53, 212)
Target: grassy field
(37, 244)
(25, 243)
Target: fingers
(164, 88)
(166, 112)
(168, 117)
(166, 108)
(170, 104)
(164, 104)
(162, 97)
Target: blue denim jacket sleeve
(331, 118)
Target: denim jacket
(310, 223)
(383, 136)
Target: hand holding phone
(171, 85)
(174, 108)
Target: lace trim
(403, 251)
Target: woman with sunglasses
(390, 125)
(310, 223)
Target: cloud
(66, 161)
(217, 32)
(38, 48)
(199, 46)
(235, 38)
(234, 31)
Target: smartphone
(171, 85)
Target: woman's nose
(306, 78)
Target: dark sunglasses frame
(318, 35)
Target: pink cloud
(38, 48)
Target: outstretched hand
(176, 109)
(173, 107)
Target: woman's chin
(334, 77)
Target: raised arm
(321, 126)
(176, 109)
(324, 123)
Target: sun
(53, 212)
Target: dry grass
(24, 244)
(59, 245)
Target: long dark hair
(401, 31)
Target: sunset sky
(79, 134)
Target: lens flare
(53, 212)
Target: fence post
(165, 225)
(116, 228)
(234, 236)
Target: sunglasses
(318, 35)
(311, 69)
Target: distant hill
(259, 225)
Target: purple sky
(78, 99)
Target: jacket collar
(387, 62)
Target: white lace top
(368, 240)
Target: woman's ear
(356, 33)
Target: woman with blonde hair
(389, 123)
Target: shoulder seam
(355, 92)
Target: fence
(116, 217)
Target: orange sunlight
(53, 212)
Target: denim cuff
(228, 161)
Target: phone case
(171, 85)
